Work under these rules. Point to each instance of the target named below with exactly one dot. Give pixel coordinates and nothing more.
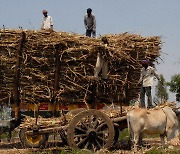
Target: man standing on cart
(147, 76)
(102, 60)
(47, 22)
(90, 23)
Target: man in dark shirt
(90, 23)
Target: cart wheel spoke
(100, 126)
(90, 121)
(82, 130)
(98, 144)
(85, 125)
(94, 147)
(81, 135)
(102, 139)
(95, 122)
(102, 132)
(86, 146)
(82, 141)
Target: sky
(144, 17)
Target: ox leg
(135, 140)
(9, 136)
(130, 143)
(0, 137)
(162, 140)
(140, 142)
(132, 140)
(142, 97)
(170, 136)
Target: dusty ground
(121, 147)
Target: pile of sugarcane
(29, 122)
(46, 66)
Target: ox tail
(129, 127)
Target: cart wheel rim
(34, 139)
(90, 129)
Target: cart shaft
(46, 130)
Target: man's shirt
(147, 76)
(90, 22)
(47, 22)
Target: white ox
(162, 121)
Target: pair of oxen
(164, 121)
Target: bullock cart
(80, 128)
(55, 69)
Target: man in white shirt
(147, 76)
(90, 23)
(47, 22)
(102, 61)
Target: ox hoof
(171, 147)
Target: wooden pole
(56, 79)
(17, 74)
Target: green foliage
(174, 85)
(161, 94)
(124, 134)
(157, 150)
(76, 151)
(5, 134)
(63, 150)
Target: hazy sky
(144, 17)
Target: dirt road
(15, 147)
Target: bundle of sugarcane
(9, 41)
(113, 113)
(29, 122)
(169, 104)
(59, 66)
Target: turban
(145, 61)
(44, 11)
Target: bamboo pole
(17, 74)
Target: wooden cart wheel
(71, 113)
(63, 135)
(32, 141)
(90, 129)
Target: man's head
(105, 40)
(145, 63)
(45, 12)
(89, 11)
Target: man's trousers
(101, 64)
(147, 91)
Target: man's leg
(149, 97)
(98, 67)
(142, 97)
(88, 33)
(105, 69)
(94, 34)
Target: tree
(161, 95)
(174, 85)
